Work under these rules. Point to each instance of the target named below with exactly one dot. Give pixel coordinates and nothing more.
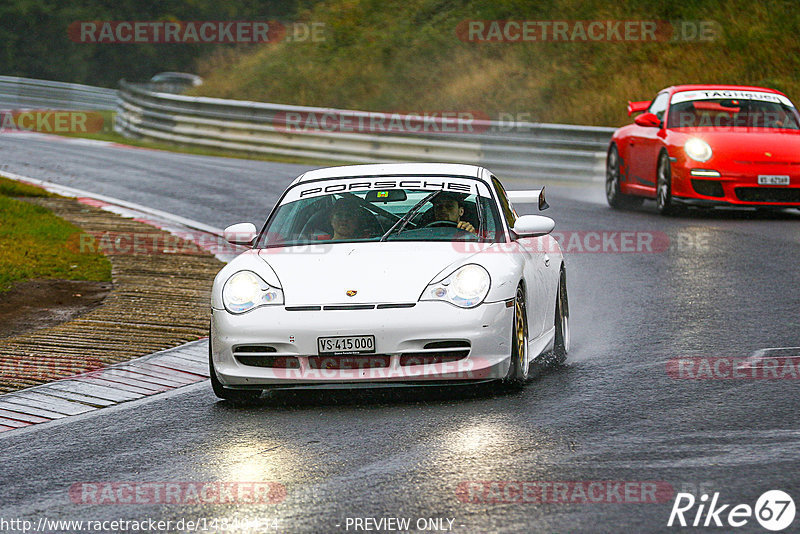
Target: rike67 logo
(774, 511)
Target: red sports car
(707, 145)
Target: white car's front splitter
(401, 334)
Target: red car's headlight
(697, 149)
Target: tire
(664, 201)
(519, 370)
(233, 395)
(614, 197)
(562, 338)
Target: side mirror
(240, 234)
(533, 226)
(532, 195)
(648, 120)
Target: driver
(450, 207)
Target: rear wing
(637, 107)
(531, 196)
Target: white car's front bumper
(292, 337)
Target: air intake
(709, 188)
(768, 194)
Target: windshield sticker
(685, 96)
(352, 185)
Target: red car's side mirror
(648, 119)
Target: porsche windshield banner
(685, 96)
(466, 186)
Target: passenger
(450, 207)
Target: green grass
(12, 188)
(386, 55)
(34, 243)
(391, 56)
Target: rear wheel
(518, 373)
(233, 395)
(615, 198)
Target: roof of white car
(392, 169)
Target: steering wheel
(450, 224)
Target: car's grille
(437, 352)
(709, 188)
(768, 194)
(275, 362)
(345, 307)
(359, 361)
(261, 356)
(340, 307)
(430, 358)
(448, 344)
(253, 349)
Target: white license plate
(346, 345)
(773, 179)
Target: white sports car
(387, 275)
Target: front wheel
(519, 371)
(665, 203)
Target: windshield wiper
(479, 208)
(405, 219)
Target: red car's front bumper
(736, 184)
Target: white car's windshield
(421, 213)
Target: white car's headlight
(246, 290)
(697, 149)
(466, 287)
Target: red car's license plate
(346, 345)
(773, 179)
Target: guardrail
(529, 150)
(27, 93)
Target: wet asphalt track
(726, 286)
